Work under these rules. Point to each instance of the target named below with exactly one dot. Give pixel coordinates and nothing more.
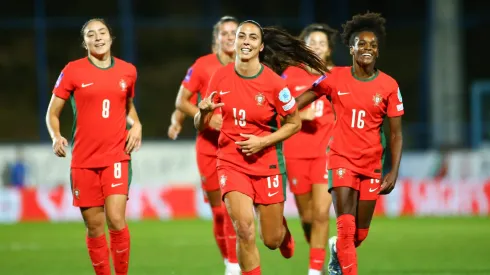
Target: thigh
(207, 169)
(368, 195)
(344, 187)
(232, 180)
(270, 218)
(269, 189)
(240, 209)
(86, 187)
(318, 170)
(298, 176)
(116, 179)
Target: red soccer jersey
(197, 81)
(360, 106)
(99, 100)
(252, 106)
(312, 140)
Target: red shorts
(207, 169)
(262, 189)
(368, 187)
(90, 186)
(303, 173)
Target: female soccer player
(195, 82)
(250, 162)
(362, 96)
(307, 165)
(100, 88)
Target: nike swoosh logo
(299, 88)
(86, 85)
(272, 194)
(223, 93)
(341, 93)
(372, 190)
(115, 184)
(121, 251)
(97, 264)
(345, 267)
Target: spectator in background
(15, 174)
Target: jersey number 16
(357, 120)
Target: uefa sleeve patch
(285, 95)
(289, 105)
(399, 107)
(187, 77)
(58, 81)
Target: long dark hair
(282, 50)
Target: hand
(59, 144)
(388, 183)
(252, 145)
(207, 105)
(308, 114)
(133, 139)
(174, 130)
(216, 122)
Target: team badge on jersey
(260, 98)
(340, 172)
(222, 180)
(76, 192)
(58, 81)
(377, 98)
(285, 95)
(123, 85)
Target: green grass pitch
(394, 246)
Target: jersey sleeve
(64, 85)
(134, 75)
(395, 103)
(284, 102)
(193, 80)
(323, 86)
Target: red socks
(317, 258)
(346, 251)
(120, 247)
(230, 236)
(361, 235)
(99, 254)
(255, 271)
(219, 234)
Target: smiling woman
(251, 169)
(100, 88)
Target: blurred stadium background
(435, 222)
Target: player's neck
(364, 72)
(248, 68)
(226, 58)
(103, 61)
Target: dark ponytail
(282, 50)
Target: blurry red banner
(410, 198)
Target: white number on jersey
(106, 105)
(359, 117)
(240, 119)
(318, 107)
(117, 170)
(274, 182)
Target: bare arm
(53, 124)
(183, 104)
(53, 116)
(205, 112)
(132, 116)
(292, 125)
(305, 98)
(396, 142)
(177, 117)
(201, 120)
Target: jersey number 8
(106, 105)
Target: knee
(116, 220)
(307, 216)
(95, 226)
(273, 240)
(245, 230)
(361, 235)
(320, 213)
